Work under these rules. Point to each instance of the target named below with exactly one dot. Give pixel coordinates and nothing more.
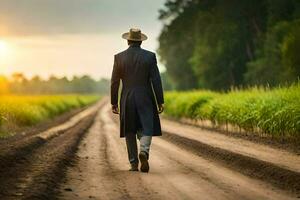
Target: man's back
(135, 64)
(137, 68)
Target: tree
(290, 53)
(176, 43)
(217, 44)
(54, 85)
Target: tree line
(19, 84)
(217, 44)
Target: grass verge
(274, 112)
(17, 111)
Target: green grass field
(269, 111)
(19, 111)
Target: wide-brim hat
(134, 34)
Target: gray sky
(71, 37)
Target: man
(141, 97)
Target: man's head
(134, 36)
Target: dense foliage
(19, 84)
(19, 111)
(264, 110)
(217, 44)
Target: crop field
(275, 112)
(22, 110)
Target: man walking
(141, 97)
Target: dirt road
(186, 163)
(176, 173)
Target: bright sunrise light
(3, 47)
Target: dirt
(266, 171)
(24, 132)
(89, 161)
(101, 172)
(34, 171)
(248, 148)
(291, 144)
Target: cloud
(42, 17)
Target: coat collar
(134, 46)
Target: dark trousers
(131, 143)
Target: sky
(71, 37)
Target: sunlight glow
(3, 47)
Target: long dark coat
(141, 91)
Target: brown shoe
(134, 167)
(144, 161)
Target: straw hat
(134, 34)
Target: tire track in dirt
(36, 168)
(92, 175)
(271, 173)
(209, 179)
(103, 168)
(37, 174)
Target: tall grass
(270, 111)
(19, 111)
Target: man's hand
(115, 109)
(160, 108)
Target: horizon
(69, 78)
